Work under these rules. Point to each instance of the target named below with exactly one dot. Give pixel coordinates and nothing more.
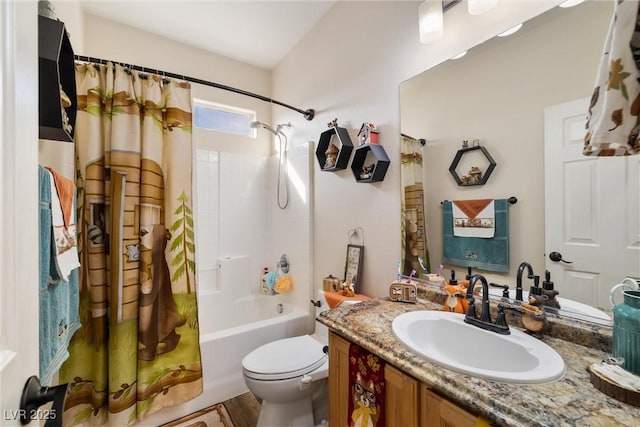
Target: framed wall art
(353, 265)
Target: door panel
(19, 210)
(592, 210)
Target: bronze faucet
(484, 321)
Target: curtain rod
(308, 114)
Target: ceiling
(257, 32)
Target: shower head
(257, 125)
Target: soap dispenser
(535, 289)
(467, 278)
(547, 284)
(548, 292)
(455, 292)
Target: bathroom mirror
(498, 93)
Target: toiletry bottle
(547, 284)
(264, 288)
(467, 278)
(548, 292)
(455, 293)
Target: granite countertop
(570, 401)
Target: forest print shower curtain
(138, 350)
(415, 252)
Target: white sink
(566, 305)
(444, 339)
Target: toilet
(290, 377)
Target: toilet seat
(284, 359)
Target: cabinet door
(401, 398)
(338, 379)
(436, 411)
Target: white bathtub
(229, 330)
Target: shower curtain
(138, 349)
(413, 225)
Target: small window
(223, 118)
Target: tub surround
(571, 400)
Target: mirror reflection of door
(592, 210)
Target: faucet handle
(501, 318)
(505, 289)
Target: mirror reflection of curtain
(414, 236)
(138, 349)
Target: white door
(592, 210)
(19, 203)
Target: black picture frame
(353, 265)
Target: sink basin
(567, 305)
(444, 339)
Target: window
(223, 118)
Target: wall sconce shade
(431, 21)
(478, 7)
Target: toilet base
(289, 414)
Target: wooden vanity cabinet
(402, 397)
(438, 411)
(338, 379)
(408, 402)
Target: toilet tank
(322, 332)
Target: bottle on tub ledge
(264, 282)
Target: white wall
(350, 66)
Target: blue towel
(59, 299)
(485, 254)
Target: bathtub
(229, 330)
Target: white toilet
(290, 376)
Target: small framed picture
(353, 266)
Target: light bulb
(431, 21)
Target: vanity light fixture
(460, 55)
(431, 21)
(570, 3)
(510, 31)
(478, 7)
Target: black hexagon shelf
(468, 181)
(345, 146)
(375, 172)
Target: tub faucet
(530, 275)
(484, 321)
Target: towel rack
(512, 200)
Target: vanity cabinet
(435, 410)
(402, 397)
(408, 402)
(338, 379)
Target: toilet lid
(285, 358)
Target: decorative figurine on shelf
(333, 123)
(332, 156)
(474, 177)
(367, 171)
(465, 144)
(368, 134)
